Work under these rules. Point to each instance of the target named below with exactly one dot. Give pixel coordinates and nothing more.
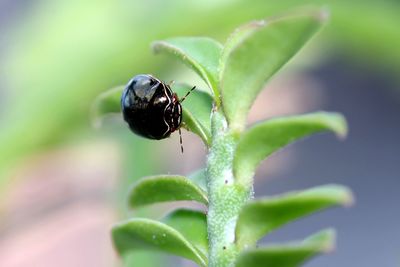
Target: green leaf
(257, 51)
(196, 111)
(145, 234)
(106, 103)
(164, 188)
(192, 225)
(199, 177)
(265, 138)
(199, 53)
(289, 255)
(260, 217)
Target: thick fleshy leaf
(106, 103)
(288, 255)
(267, 137)
(154, 189)
(192, 225)
(260, 217)
(257, 51)
(196, 111)
(199, 53)
(144, 234)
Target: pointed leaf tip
(264, 138)
(262, 216)
(324, 240)
(288, 255)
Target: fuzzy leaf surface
(192, 225)
(264, 138)
(199, 53)
(163, 188)
(288, 255)
(144, 234)
(255, 52)
(259, 217)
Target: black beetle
(150, 107)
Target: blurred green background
(56, 56)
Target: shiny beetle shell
(150, 107)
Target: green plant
(227, 234)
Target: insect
(151, 109)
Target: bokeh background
(63, 184)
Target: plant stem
(226, 198)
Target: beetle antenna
(180, 139)
(188, 93)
